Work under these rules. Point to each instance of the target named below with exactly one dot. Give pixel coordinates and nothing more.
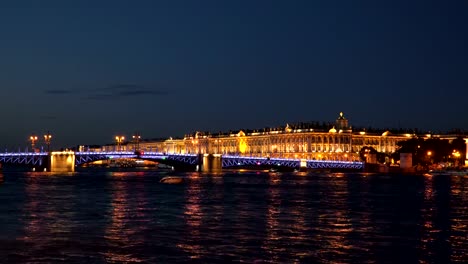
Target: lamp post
(429, 157)
(33, 139)
(119, 140)
(47, 138)
(457, 155)
(136, 139)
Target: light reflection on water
(193, 218)
(117, 233)
(272, 219)
(129, 217)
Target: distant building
(339, 142)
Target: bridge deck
(30, 158)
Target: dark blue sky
(89, 70)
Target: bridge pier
(210, 162)
(61, 161)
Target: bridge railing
(227, 160)
(28, 158)
(232, 160)
(11, 154)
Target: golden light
(119, 140)
(242, 146)
(429, 153)
(33, 139)
(47, 138)
(303, 163)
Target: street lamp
(119, 140)
(457, 155)
(429, 154)
(33, 139)
(136, 138)
(47, 138)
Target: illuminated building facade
(338, 143)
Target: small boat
(165, 167)
(449, 172)
(172, 180)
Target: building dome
(341, 117)
(332, 130)
(342, 122)
(386, 133)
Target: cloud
(123, 87)
(141, 92)
(112, 92)
(123, 90)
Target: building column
(466, 153)
(322, 144)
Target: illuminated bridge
(226, 161)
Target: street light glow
(47, 138)
(33, 139)
(119, 140)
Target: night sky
(89, 70)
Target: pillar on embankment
(406, 162)
(61, 161)
(466, 153)
(211, 162)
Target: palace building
(303, 141)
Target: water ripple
(129, 217)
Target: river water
(98, 216)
